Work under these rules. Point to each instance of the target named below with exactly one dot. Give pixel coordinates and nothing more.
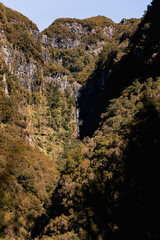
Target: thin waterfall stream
(76, 94)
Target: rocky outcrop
(81, 31)
(108, 31)
(76, 27)
(5, 87)
(35, 33)
(27, 73)
(123, 21)
(95, 48)
(46, 55)
(59, 43)
(63, 82)
(58, 79)
(6, 51)
(17, 63)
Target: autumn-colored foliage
(78, 161)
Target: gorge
(79, 128)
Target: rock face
(33, 68)
(35, 33)
(108, 31)
(81, 30)
(18, 64)
(74, 33)
(5, 87)
(94, 49)
(6, 51)
(60, 80)
(59, 43)
(27, 74)
(46, 55)
(76, 27)
(26, 70)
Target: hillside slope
(117, 67)
(113, 193)
(79, 79)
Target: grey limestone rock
(76, 27)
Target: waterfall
(77, 118)
(76, 94)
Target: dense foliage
(104, 185)
(27, 176)
(116, 66)
(74, 60)
(105, 193)
(113, 194)
(31, 126)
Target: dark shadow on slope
(139, 208)
(136, 216)
(92, 100)
(125, 206)
(140, 63)
(55, 210)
